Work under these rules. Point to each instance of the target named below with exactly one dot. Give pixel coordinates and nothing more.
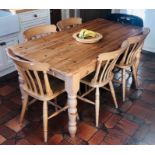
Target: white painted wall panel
(150, 22)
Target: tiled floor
(132, 123)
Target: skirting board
(150, 49)
(7, 71)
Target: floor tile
(14, 124)
(6, 90)
(126, 106)
(104, 116)
(86, 131)
(2, 139)
(116, 137)
(97, 138)
(148, 97)
(23, 142)
(112, 121)
(127, 126)
(9, 142)
(103, 143)
(64, 142)
(7, 132)
(3, 110)
(55, 139)
(17, 99)
(150, 138)
(141, 133)
(75, 141)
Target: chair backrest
(39, 31)
(68, 23)
(34, 75)
(135, 46)
(146, 31)
(106, 63)
(126, 19)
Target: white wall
(150, 22)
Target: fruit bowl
(87, 40)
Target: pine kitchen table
(71, 60)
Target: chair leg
(24, 107)
(135, 76)
(113, 94)
(97, 105)
(123, 83)
(45, 120)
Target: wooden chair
(37, 85)
(39, 31)
(101, 77)
(68, 23)
(130, 59)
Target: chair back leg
(24, 107)
(123, 83)
(45, 120)
(113, 94)
(97, 105)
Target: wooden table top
(68, 56)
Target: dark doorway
(55, 15)
(90, 14)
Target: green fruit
(84, 33)
(89, 33)
(81, 34)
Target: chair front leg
(24, 107)
(113, 94)
(45, 120)
(124, 83)
(97, 105)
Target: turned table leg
(72, 113)
(72, 86)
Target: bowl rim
(88, 40)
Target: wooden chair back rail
(106, 63)
(136, 44)
(146, 32)
(129, 56)
(68, 23)
(30, 74)
(39, 31)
